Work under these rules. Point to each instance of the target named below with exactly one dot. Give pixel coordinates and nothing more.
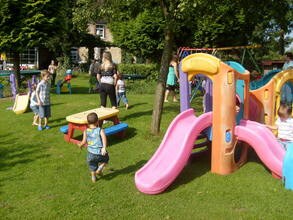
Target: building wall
(115, 51)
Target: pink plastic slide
(172, 155)
(265, 144)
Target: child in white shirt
(285, 123)
(121, 91)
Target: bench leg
(69, 134)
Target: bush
(84, 67)
(140, 86)
(6, 86)
(149, 70)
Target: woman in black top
(107, 77)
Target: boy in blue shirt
(96, 141)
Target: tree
(141, 36)
(26, 24)
(195, 23)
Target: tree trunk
(282, 42)
(16, 63)
(161, 85)
(91, 52)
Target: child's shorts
(35, 109)
(45, 111)
(94, 160)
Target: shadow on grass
(126, 170)
(18, 154)
(57, 122)
(172, 108)
(136, 115)
(114, 139)
(195, 168)
(80, 90)
(131, 106)
(58, 125)
(3, 140)
(58, 103)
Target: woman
(107, 77)
(172, 79)
(52, 70)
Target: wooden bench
(114, 129)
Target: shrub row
(150, 70)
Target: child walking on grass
(43, 97)
(96, 140)
(121, 90)
(34, 105)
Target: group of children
(40, 101)
(94, 137)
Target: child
(172, 79)
(96, 140)
(34, 105)
(284, 125)
(43, 97)
(120, 90)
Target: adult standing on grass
(52, 68)
(93, 70)
(107, 77)
(172, 79)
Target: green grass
(42, 176)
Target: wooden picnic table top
(103, 113)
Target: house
(100, 29)
(269, 65)
(40, 58)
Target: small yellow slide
(21, 103)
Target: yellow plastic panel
(230, 77)
(200, 63)
(282, 78)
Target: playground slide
(264, 143)
(264, 80)
(172, 155)
(21, 103)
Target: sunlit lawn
(42, 176)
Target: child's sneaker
(47, 127)
(40, 128)
(94, 179)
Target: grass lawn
(42, 176)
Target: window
(100, 30)
(74, 55)
(29, 56)
(28, 59)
